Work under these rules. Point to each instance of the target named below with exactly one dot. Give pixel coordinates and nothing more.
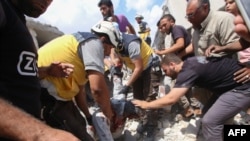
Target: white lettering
(243, 131)
(231, 132)
(236, 132)
(27, 64)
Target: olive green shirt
(216, 29)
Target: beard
(172, 74)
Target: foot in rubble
(245, 119)
(188, 112)
(148, 130)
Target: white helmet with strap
(111, 30)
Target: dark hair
(105, 2)
(201, 2)
(168, 17)
(170, 57)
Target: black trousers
(64, 115)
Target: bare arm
(100, 92)
(137, 71)
(18, 125)
(82, 102)
(172, 97)
(233, 47)
(116, 60)
(179, 45)
(187, 51)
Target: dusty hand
(213, 49)
(158, 52)
(140, 103)
(59, 69)
(242, 75)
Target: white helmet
(111, 30)
(139, 16)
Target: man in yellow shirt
(86, 52)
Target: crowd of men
(43, 92)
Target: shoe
(188, 112)
(197, 112)
(245, 120)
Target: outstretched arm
(172, 97)
(179, 45)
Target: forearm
(18, 125)
(169, 99)
(160, 103)
(188, 50)
(100, 93)
(102, 98)
(82, 102)
(134, 76)
(173, 49)
(43, 72)
(233, 47)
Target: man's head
(166, 23)
(106, 8)
(197, 11)
(32, 8)
(109, 34)
(139, 18)
(171, 65)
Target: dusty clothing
(216, 29)
(64, 115)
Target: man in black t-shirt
(215, 74)
(19, 84)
